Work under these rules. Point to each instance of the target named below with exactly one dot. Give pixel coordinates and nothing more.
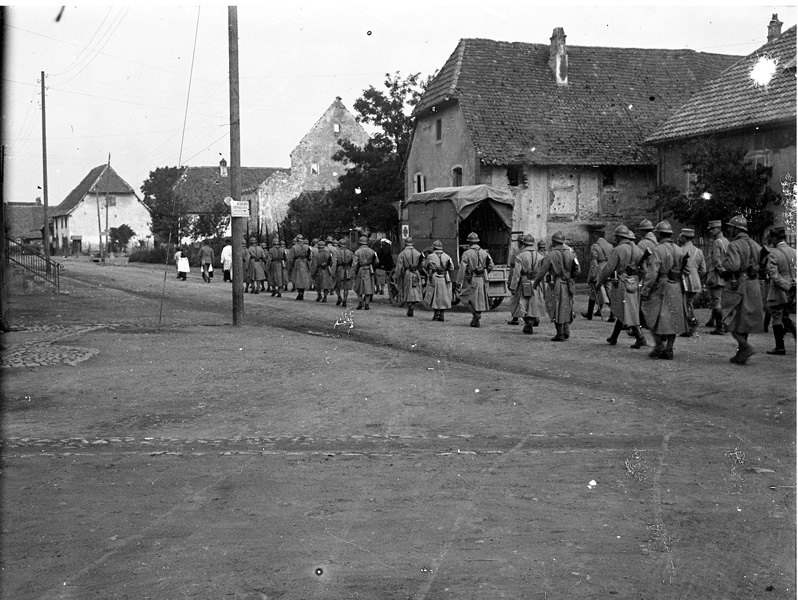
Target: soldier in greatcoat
(408, 275)
(742, 310)
(255, 258)
(438, 294)
(562, 267)
(322, 267)
(781, 292)
(621, 271)
(692, 285)
(298, 263)
(343, 272)
(363, 263)
(530, 303)
(276, 265)
(599, 295)
(515, 250)
(661, 293)
(472, 281)
(715, 281)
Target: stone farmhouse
(737, 112)
(562, 128)
(101, 201)
(312, 166)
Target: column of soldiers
(650, 285)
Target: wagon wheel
(495, 302)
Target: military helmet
(528, 240)
(472, 238)
(663, 227)
(623, 231)
(645, 224)
(558, 237)
(437, 245)
(739, 222)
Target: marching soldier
(715, 282)
(514, 252)
(663, 301)
(439, 290)
(692, 284)
(343, 272)
(561, 264)
(407, 275)
(530, 303)
(276, 265)
(742, 309)
(781, 293)
(599, 295)
(472, 282)
(322, 267)
(364, 261)
(298, 264)
(621, 270)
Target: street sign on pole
(239, 208)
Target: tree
(212, 224)
(169, 219)
(374, 180)
(120, 236)
(725, 185)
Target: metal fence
(29, 258)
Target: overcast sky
(119, 78)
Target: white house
(101, 201)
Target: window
(608, 176)
(337, 127)
(419, 184)
(457, 176)
(515, 175)
(438, 130)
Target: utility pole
(46, 233)
(235, 168)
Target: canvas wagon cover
(467, 198)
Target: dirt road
(152, 450)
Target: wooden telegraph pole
(46, 233)
(235, 169)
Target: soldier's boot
(641, 339)
(566, 330)
(692, 325)
(475, 316)
(720, 326)
(767, 320)
(778, 335)
(588, 314)
(616, 331)
(559, 336)
(410, 309)
(789, 326)
(528, 328)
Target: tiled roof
(615, 97)
(733, 101)
(100, 180)
(201, 187)
(24, 219)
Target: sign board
(239, 208)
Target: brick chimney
(774, 28)
(558, 57)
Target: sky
(148, 86)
